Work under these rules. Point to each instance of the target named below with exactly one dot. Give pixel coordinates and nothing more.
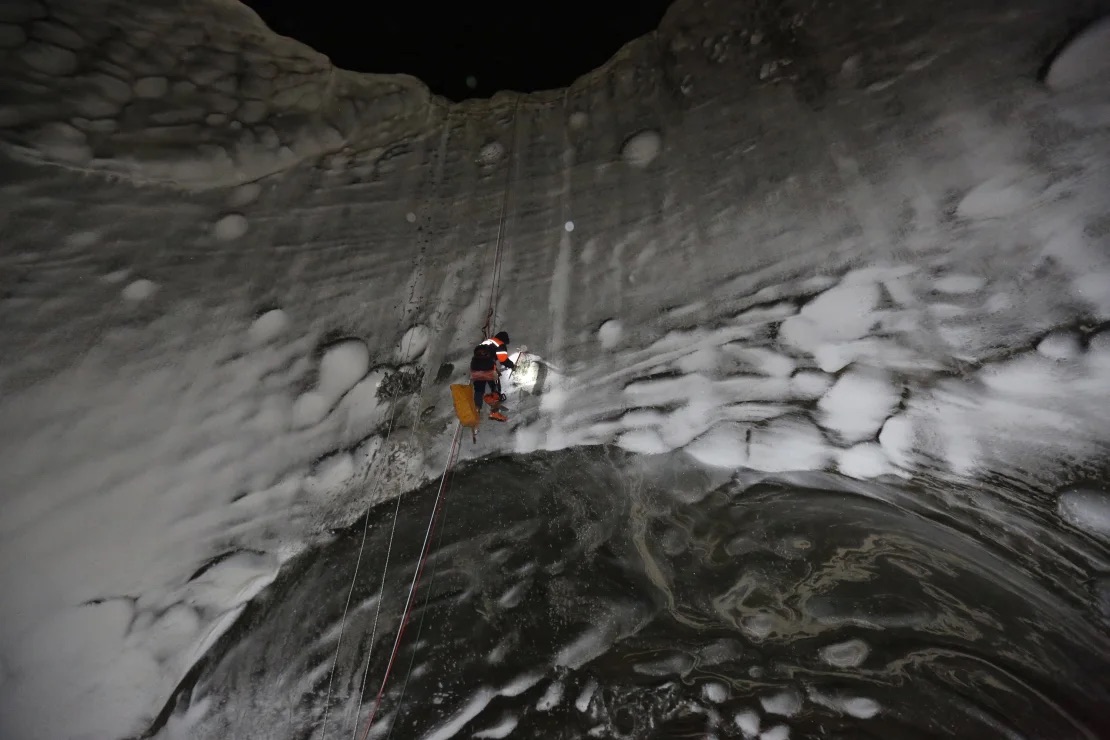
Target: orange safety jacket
(502, 351)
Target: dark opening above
(467, 49)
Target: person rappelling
(485, 371)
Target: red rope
(424, 552)
(444, 483)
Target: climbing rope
(424, 551)
(495, 280)
(358, 563)
(354, 581)
(452, 458)
(420, 625)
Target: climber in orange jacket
(489, 357)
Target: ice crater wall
(818, 238)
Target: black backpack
(484, 358)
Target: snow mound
(491, 153)
(747, 722)
(582, 703)
(641, 149)
(244, 195)
(60, 140)
(551, 698)
(330, 474)
(853, 706)
(139, 290)
(782, 445)
(502, 729)
(230, 227)
(268, 327)
(413, 343)
(784, 704)
(715, 692)
(858, 403)
(1060, 345)
(644, 441)
(609, 334)
(810, 384)
(847, 654)
(82, 239)
(1088, 510)
(842, 313)
(93, 636)
(998, 197)
(959, 284)
(778, 732)
(1085, 59)
(151, 87)
(863, 461)
(342, 366)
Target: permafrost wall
(779, 235)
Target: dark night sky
(522, 45)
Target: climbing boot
(492, 399)
(498, 416)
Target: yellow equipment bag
(463, 395)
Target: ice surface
(704, 300)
